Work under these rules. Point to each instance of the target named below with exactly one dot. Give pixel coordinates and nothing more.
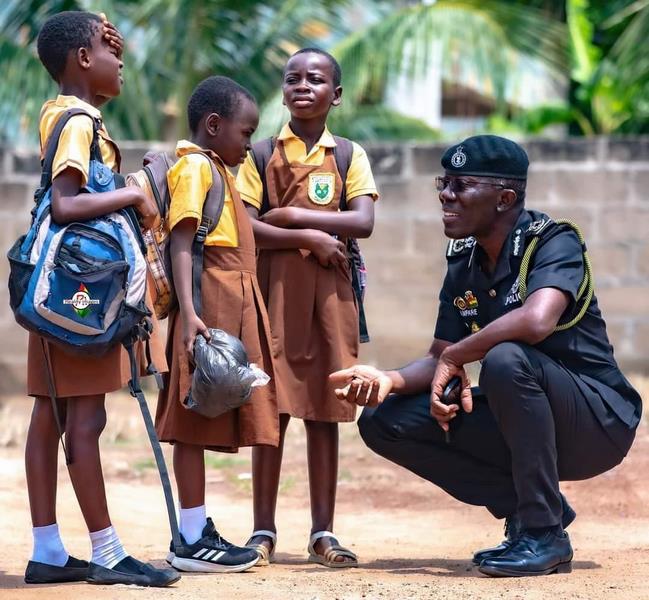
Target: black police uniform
(557, 410)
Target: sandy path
(412, 539)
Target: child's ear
(212, 122)
(338, 96)
(83, 58)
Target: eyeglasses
(457, 185)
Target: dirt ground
(413, 541)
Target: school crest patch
(321, 188)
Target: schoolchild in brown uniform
(222, 117)
(83, 55)
(305, 278)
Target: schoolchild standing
(305, 277)
(222, 117)
(83, 55)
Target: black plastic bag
(223, 378)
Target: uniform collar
(326, 139)
(513, 246)
(74, 102)
(184, 147)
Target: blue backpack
(79, 285)
(82, 285)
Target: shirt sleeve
(449, 326)
(249, 182)
(189, 181)
(557, 263)
(360, 181)
(73, 150)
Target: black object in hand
(451, 386)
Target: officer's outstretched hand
(362, 384)
(446, 370)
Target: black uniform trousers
(533, 429)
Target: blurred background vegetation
(412, 70)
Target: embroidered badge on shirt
(458, 246)
(467, 305)
(474, 327)
(513, 295)
(321, 188)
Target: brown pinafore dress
(232, 302)
(76, 375)
(312, 309)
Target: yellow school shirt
(189, 181)
(74, 144)
(360, 181)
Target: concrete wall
(601, 183)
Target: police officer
(553, 404)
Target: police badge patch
(321, 188)
(459, 158)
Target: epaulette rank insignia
(457, 247)
(537, 227)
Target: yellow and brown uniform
(76, 375)
(312, 309)
(231, 301)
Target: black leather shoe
(73, 570)
(532, 555)
(131, 571)
(513, 528)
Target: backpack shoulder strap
(586, 288)
(343, 151)
(261, 152)
(53, 143)
(212, 210)
(155, 169)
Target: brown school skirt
(314, 323)
(76, 375)
(231, 302)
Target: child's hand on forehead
(112, 36)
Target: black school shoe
(73, 570)
(530, 555)
(513, 528)
(130, 571)
(211, 554)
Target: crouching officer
(553, 404)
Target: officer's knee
(367, 427)
(375, 435)
(501, 365)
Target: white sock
(107, 550)
(48, 547)
(192, 522)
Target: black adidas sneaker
(211, 554)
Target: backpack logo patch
(81, 301)
(321, 188)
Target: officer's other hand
(446, 370)
(362, 384)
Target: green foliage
(595, 50)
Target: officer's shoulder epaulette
(460, 247)
(539, 226)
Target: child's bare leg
(266, 469)
(41, 461)
(322, 454)
(86, 419)
(189, 469)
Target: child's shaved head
(63, 33)
(335, 67)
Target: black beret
(487, 156)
